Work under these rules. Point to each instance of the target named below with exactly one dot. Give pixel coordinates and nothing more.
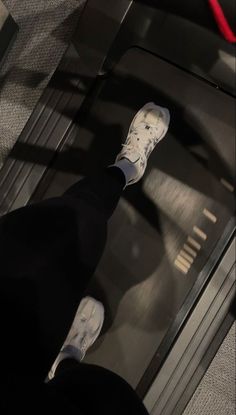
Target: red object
(221, 21)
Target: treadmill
(167, 277)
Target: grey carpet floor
(216, 393)
(45, 30)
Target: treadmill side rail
(98, 28)
(60, 103)
(169, 393)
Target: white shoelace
(137, 136)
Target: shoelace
(84, 344)
(135, 139)
(83, 340)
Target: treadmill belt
(181, 207)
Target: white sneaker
(147, 129)
(85, 329)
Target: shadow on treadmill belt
(183, 202)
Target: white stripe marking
(194, 243)
(200, 233)
(186, 256)
(183, 261)
(181, 267)
(227, 185)
(209, 215)
(190, 250)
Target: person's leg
(76, 388)
(89, 389)
(103, 190)
(95, 390)
(50, 250)
(147, 129)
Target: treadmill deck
(140, 279)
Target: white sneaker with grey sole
(84, 331)
(147, 129)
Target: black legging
(48, 253)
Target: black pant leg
(103, 190)
(77, 388)
(48, 253)
(95, 390)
